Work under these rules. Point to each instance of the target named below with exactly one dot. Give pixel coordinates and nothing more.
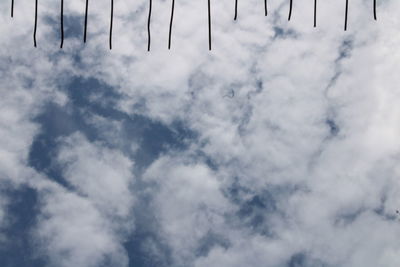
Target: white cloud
(102, 174)
(188, 203)
(73, 232)
(271, 132)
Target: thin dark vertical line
(236, 4)
(345, 15)
(375, 9)
(86, 21)
(315, 13)
(290, 9)
(12, 8)
(265, 7)
(111, 22)
(209, 25)
(170, 24)
(34, 30)
(62, 24)
(148, 27)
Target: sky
(280, 147)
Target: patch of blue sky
(152, 137)
(19, 248)
(303, 260)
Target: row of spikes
(172, 17)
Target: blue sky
(280, 147)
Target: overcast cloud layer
(280, 147)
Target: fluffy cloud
(101, 174)
(295, 154)
(73, 232)
(189, 203)
(87, 227)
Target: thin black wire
(170, 24)
(345, 16)
(265, 7)
(62, 24)
(236, 4)
(86, 21)
(375, 9)
(148, 27)
(290, 9)
(315, 13)
(12, 8)
(111, 22)
(34, 30)
(209, 25)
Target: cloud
(72, 231)
(188, 202)
(102, 174)
(87, 227)
(293, 160)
